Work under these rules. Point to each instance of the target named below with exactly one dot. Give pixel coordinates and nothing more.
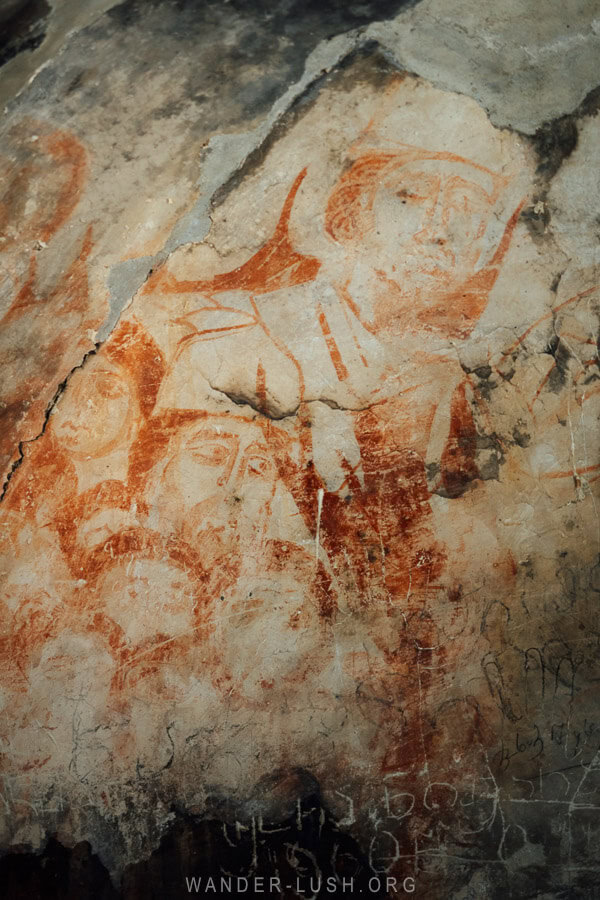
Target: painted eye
(210, 454)
(109, 387)
(56, 660)
(57, 666)
(257, 465)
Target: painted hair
(350, 204)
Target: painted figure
(417, 254)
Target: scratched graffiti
(330, 503)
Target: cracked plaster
(306, 504)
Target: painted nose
(434, 227)
(243, 473)
(227, 472)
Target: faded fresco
(325, 502)
(43, 176)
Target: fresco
(43, 179)
(325, 500)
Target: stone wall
(299, 522)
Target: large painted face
(223, 476)
(99, 416)
(429, 218)
(420, 231)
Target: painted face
(68, 687)
(223, 475)
(282, 639)
(429, 219)
(148, 597)
(79, 663)
(96, 416)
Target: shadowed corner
(22, 26)
(283, 830)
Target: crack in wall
(553, 142)
(49, 409)
(226, 160)
(243, 400)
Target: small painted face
(95, 416)
(429, 218)
(223, 473)
(78, 664)
(148, 597)
(68, 689)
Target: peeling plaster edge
(224, 156)
(411, 51)
(126, 278)
(240, 399)
(16, 463)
